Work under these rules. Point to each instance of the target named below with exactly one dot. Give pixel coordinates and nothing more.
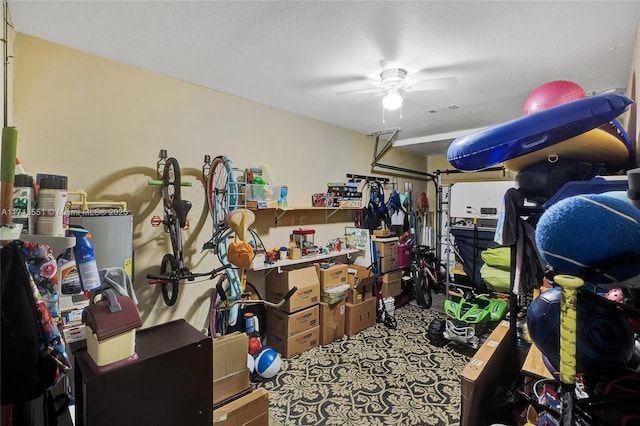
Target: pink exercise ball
(552, 94)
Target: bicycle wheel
(171, 182)
(170, 287)
(221, 190)
(421, 286)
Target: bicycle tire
(171, 182)
(422, 287)
(221, 190)
(415, 278)
(170, 288)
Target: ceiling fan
(394, 84)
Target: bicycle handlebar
(223, 296)
(156, 182)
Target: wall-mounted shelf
(260, 266)
(279, 212)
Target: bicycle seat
(181, 208)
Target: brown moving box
(306, 279)
(392, 276)
(483, 372)
(391, 289)
(333, 276)
(387, 247)
(391, 284)
(360, 316)
(289, 324)
(249, 410)
(355, 296)
(230, 372)
(359, 276)
(388, 263)
(332, 322)
(298, 343)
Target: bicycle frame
(224, 193)
(173, 268)
(426, 273)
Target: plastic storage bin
(404, 255)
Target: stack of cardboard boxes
(387, 248)
(234, 401)
(294, 328)
(334, 283)
(360, 304)
(315, 315)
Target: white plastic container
(85, 259)
(52, 204)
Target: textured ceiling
(297, 55)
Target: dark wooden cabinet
(170, 383)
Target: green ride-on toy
(467, 318)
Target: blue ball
(604, 339)
(268, 363)
(583, 231)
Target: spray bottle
(85, 259)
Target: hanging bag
(33, 358)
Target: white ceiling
(295, 55)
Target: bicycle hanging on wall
(225, 193)
(172, 267)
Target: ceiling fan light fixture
(392, 100)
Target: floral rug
(379, 376)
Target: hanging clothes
(513, 230)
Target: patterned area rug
(379, 376)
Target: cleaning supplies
(52, 203)
(85, 259)
(23, 203)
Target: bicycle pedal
(156, 221)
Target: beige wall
(102, 123)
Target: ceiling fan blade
(360, 91)
(433, 84)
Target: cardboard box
(298, 343)
(388, 263)
(232, 385)
(358, 295)
(382, 232)
(387, 247)
(306, 279)
(229, 354)
(249, 410)
(484, 371)
(391, 289)
(392, 276)
(230, 372)
(289, 324)
(332, 321)
(360, 277)
(333, 276)
(359, 317)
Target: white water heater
(111, 232)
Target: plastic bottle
(68, 278)
(52, 204)
(23, 203)
(85, 259)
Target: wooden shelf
(279, 212)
